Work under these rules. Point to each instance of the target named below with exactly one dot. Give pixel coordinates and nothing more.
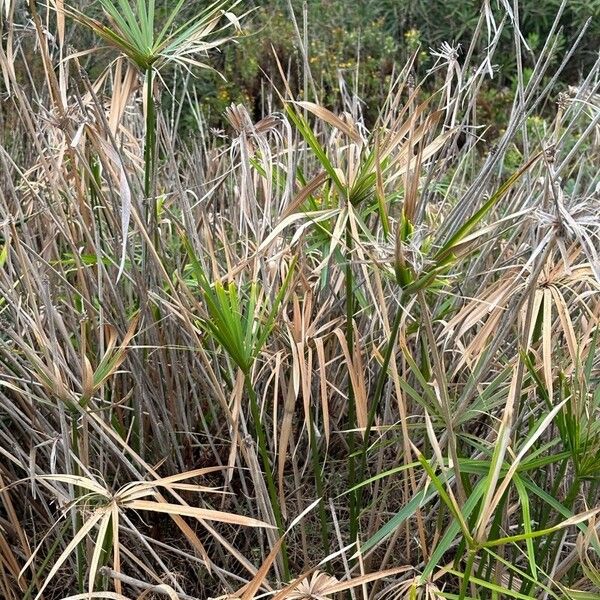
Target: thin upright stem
(261, 440)
(354, 496)
(316, 464)
(150, 155)
(467, 574)
(78, 519)
(381, 379)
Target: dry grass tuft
(304, 357)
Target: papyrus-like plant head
(133, 31)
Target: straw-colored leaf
(98, 548)
(332, 119)
(79, 481)
(87, 526)
(198, 513)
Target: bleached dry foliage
(305, 358)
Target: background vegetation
(363, 43)
(325, 328)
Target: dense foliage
(336, 338)
(362, 41)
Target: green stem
(261, 439)
(316, 464)
(151, 212)
(48, 557)
(467, 575)
(548, 550)
(354, 496)
(150, 155)
(94, 185)
(381, 379)
(77, 518)
(384, 369)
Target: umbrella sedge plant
(374, 338)
(240, 323)
(134, 31)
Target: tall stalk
(150, 156)
(547, 553)
(350, 309)
(261, 440)
(78, 492)
(381, 379)
(316, 465)
(467, 574)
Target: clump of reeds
(309, 359)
